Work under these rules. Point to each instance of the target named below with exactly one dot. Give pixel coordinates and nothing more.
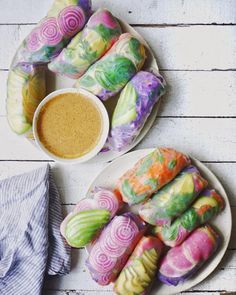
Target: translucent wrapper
(110, 252)
(135, 104)
(173, 199)
(25, 89)
(181, 262)
(112, 72)
(64, 19)
(100, 33)
(206, 207)
(139, 272)
(83, 224)
(26, 80)
(150, 174)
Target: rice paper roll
(174, 198)
(64, 19)
(110, 252)
(205, 208)
(182, 261)
(90, 214)
(135, 104)
(25, 90)
(100, 33)
(139, 272)
(112, 72)
(150, 174)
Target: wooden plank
(208, 139)
(154, 12)
(186, 48)
(188, 93)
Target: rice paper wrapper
(100, 33)
(181, 262)
(206, 207)
(139, 272)
(110, 252)
(25, 90)
(173, 199)
(64, 19)
(100, 199)
(135, 104)
(112, 72)
(150, 174)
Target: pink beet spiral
(49, 33)
(109, 246)
(100, 261)
(107, 200)
(71, 20)
(33, 41)
(123, 232)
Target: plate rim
(220, 252)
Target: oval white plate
(55, 82)
(223, 222)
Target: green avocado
(150, 261)
(132, 282)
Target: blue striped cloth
(30, 242)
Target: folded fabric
(30, 240)
(111, 73)
(100, 33)
(135, 104)
(174, 198)
(205, 208)
(150, 174)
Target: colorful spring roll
(63, 21)
(83, 224)
(100, 33)
(139, 272)
(206, 207)
(150, 174)
(182, 261)
(112, 72)
(135, 104)
(111, 250)
(174, 198)
(25, 89)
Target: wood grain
(176, 48)
(188, 93)
(133, 11)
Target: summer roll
(135, 104)
(139, 272)
(181, 262)
(174, 198)
(25, 90)
(89, 216)
(112, 72)
(99, 34)
(64, 19)
(205, 208)
(110, 252)
(150, 174)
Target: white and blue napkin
(30, 242)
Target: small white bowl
(103, 136)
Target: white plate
(55, 82)
(223, 222)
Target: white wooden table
(195, 43)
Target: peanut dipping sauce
(69, 125)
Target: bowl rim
(104, 133)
